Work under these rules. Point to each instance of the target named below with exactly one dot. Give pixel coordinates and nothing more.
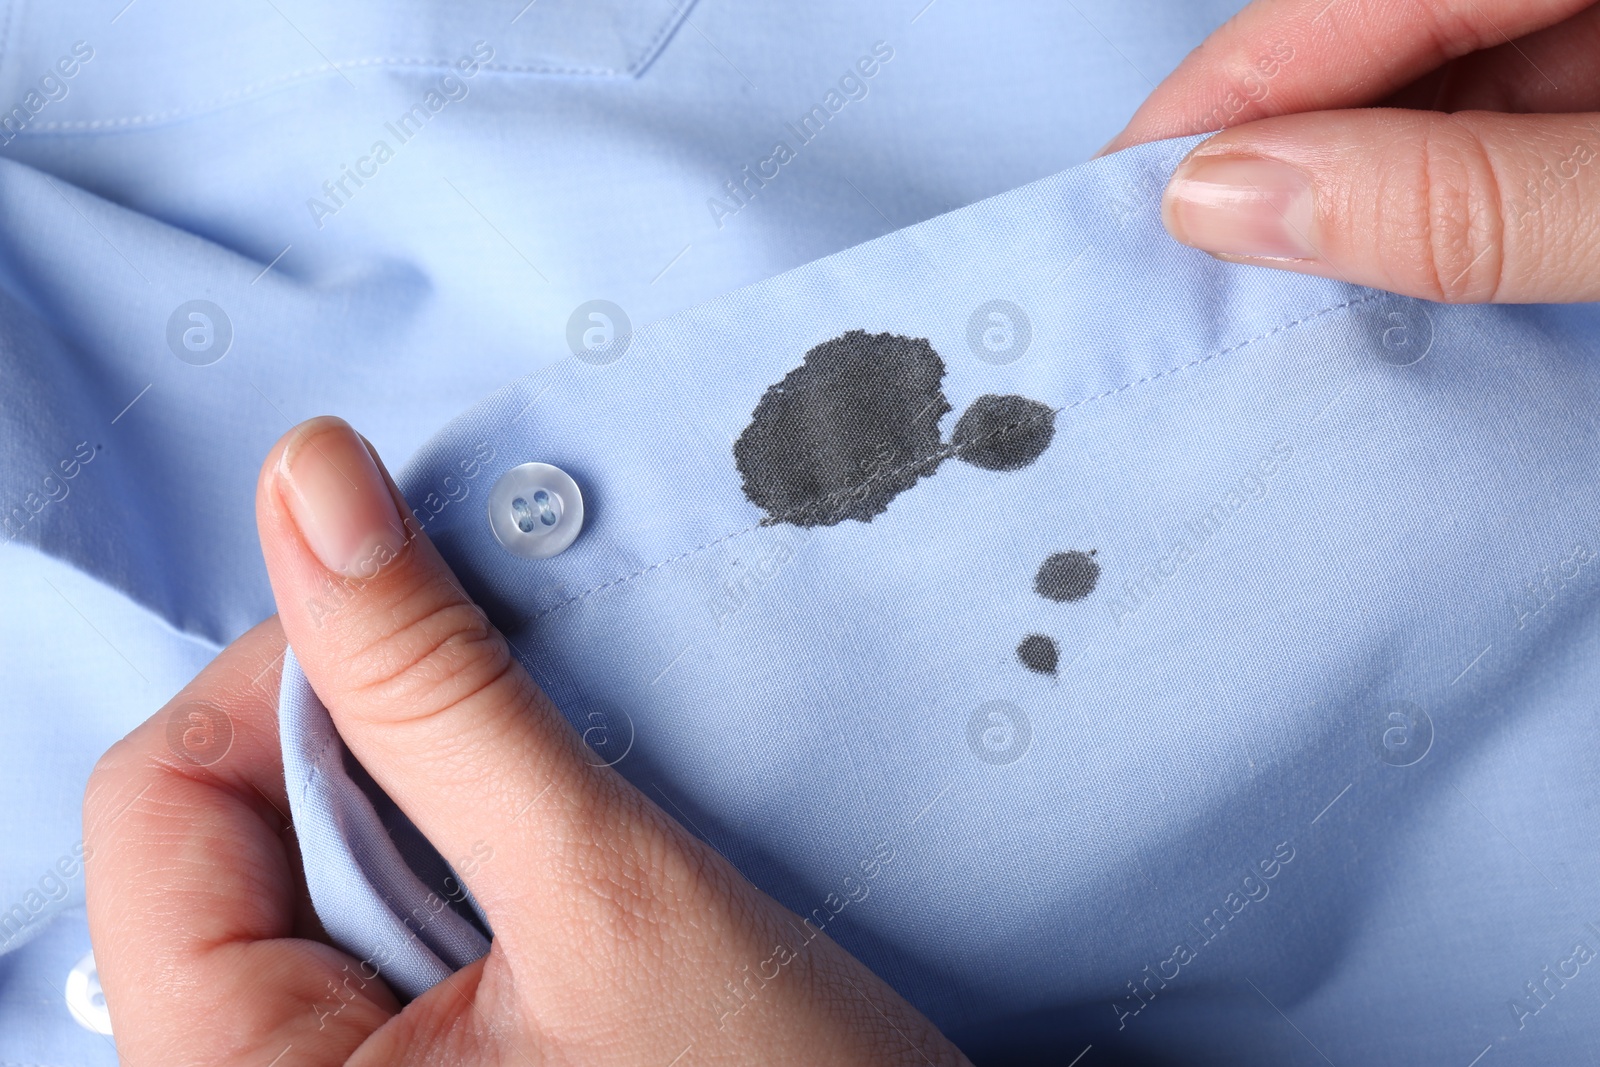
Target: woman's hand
(616, 933)
(1491, 194)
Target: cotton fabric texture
(1247, 671)
(189, 158)
(1315, 593)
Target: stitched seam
(679, 16)
(945, 451)
(646, 570)
(646, 55)
(281, 80)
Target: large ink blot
(857, 424)
(1067, 576)
(845, 432)
(1003, 433)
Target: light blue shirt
(1208, 833)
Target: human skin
(616, 931)
(1443, 149)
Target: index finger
(1281, 57)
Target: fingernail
(337, 497)
(1242, 206)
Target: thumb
(613, 927)
(422, 687)
(1473, 207)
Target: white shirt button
(85, 1000)
(535, 510)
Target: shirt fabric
(1315, 613)
(1420, 552)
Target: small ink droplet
(1067, 576)
(1038, 654)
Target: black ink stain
(1067, 576)
(1003, 433)
(1062, 577)
(844, 433)
(857, 424)
(1038, 653)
